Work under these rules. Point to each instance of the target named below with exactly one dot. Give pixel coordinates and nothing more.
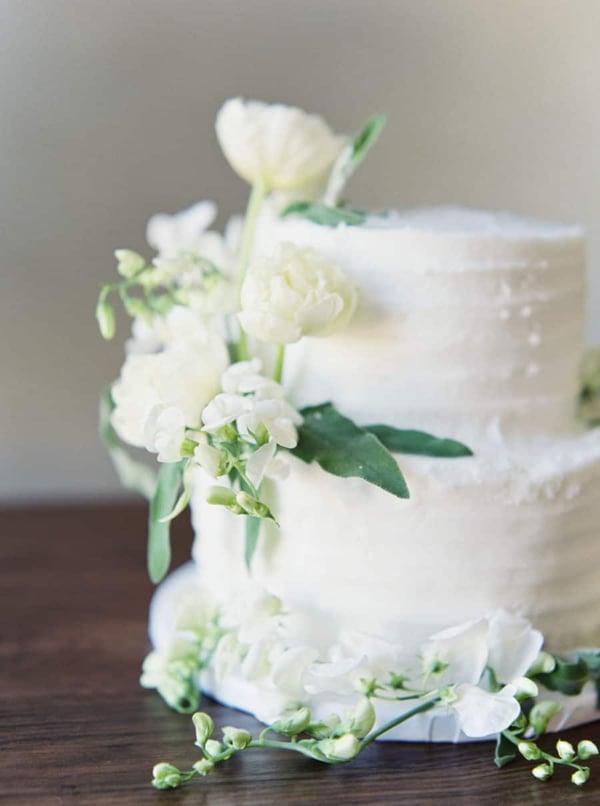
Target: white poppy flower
(185, 379)
(279, 147)
(296, 293)
(482, 713)
(164, 431)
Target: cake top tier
(464, 222)
(469, 322)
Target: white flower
(279, 147)
(265, 462)
(244, 378)
(513, 645)
(222, 410)
(209, 458)
(459, 652)
(276, 416)
(185, 379)
(164, 431)
(482, 713)
(183, 231)
(296, 293)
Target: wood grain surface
(76, 728)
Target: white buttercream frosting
(469, 325)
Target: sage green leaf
(252, 535)
(163, 501)
(186, 494)
(568, 677)
(506, 751)
(322, 214)
(420, 443)
(366, 138)
(344, 449)
(132, 474)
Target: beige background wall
(106, 116)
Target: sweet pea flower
(164, 431)
(280, 148)
(183, 231)
(483, 713)
(293, 294)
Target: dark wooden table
(77, 728)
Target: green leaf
(398, 440)
(506, 751)
(186, 494)
(366, 138)
(344, 449)
(133, 475)
(159, 544)
(569, 677)
(252, 535)
(322, 214)
(591, 658)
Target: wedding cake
(377, 422)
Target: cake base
(256, 657)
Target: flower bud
(579, 777)
(543, 664)
(541, 714)
(128, 262)
(236, 737)
(586, 749)
(204, 766)
(105, 317)
(165, 776)
(361, 720)
(345, 748)
(542, 772)
(213, 748)
(204, 727)
(565, 750)
(222, 496)
(252, 506)
(293, 723)
(326, 728)
(529, 751)
(526, 688)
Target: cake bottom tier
(252, 652)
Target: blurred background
(106, 116)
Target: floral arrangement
(202, 385)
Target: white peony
(182, 378)
(278, 147)
(296, 293)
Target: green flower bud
(526, 688)
(565, 750)
(214, 748)
(542, 772)
(236, 737)
(345, 748)
(541, 714)
(586, 749)
(361, 720)
(252, 506)
(326, 728)
(165, 776)
(105, 317)
(204, 766)
(543, 664)
(579, 777)
(137, 308)
(293, 723)
(204, 727)
(529, 751)
(128, 262)
(222, 496)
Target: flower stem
(278, 371)
(257, 196)
(418, 709)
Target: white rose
(296, 293)
(279, 147)
(185, 379)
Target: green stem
(419, 709)
(257, 196)
(278, 371)
(275, 745)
